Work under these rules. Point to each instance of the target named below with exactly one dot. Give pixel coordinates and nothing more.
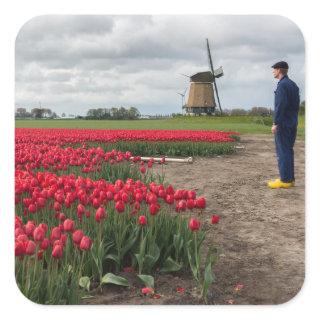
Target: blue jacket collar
(283, 78)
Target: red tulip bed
(139, 142)
(84, 215)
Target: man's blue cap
(280, 65)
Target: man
(285, 122)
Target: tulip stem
(196, 254)
(35, 264)
(80, 267)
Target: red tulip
(109, 195)
(19, 249)
(81, 209)
(77, 236)
(96, 203)
(201, 203)
(125, 197)
(29, 228)
(136, 206)
(169, 199)
(162, 194)
(120, 206)
(178, 195)
(85, 243)
(57, 206)
(190, 204)
(215, 219)
(138, 196)
(22, 238)
(100, 214)
(182, 205)
(170, 189)
(41, 202)
(154, 208)
(44, 227)
(17, 222)
(180, 290)
(62, 216)
(38, 234)
(63, 239)
(151, 198)
(117, 197)
(55, 233)
(32, 208)
(59, 197)
(142, 221)
(30, 248)
(45, 244)
(147, 290)
(68, 225)
(102, 196)
(142, 169)
(57, 251)
(58, 243)
(68, 202)
(194, 224)
(191, 194)
(119, 183)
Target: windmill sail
(213, 72)
(218, 72)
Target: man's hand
(274, 128)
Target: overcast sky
(73, 63)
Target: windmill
(182, 98)
(201, 99)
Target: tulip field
(139, 142)
(87, 209)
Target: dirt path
(261, 231)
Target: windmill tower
(201, 99)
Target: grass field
(241, 124)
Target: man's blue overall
(286, 107)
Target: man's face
(276, 73)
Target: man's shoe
(277, 184)
(279, 180)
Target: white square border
(16, 13)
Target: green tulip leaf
(84, 282)
(208, 280)
(113, 257)
(111, 278)
(170, 266)
(148, 281)
(87, 297)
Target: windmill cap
(280, 65)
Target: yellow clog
(277, 184)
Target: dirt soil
(261, 233)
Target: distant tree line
(255, 111)
(133, 113)
(113, 113)
(258, 111)
(95, 114)
(36, 113)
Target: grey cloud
(79, 61)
